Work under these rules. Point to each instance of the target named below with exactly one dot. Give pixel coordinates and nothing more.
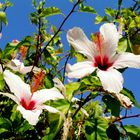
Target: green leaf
(89, 9)
(1, 5)
(100, 19)
(3, 17)
(113, 132)
(3, 130)
(110, 12)
(71, 88)
(130, 95)
(112, 103)
(62, 105)
(9, 51)
(25, 126)
(8, 3)
(94, 109)
(33, 18)
(90, 83)
(5, 123)
(122, 45)
(79, 57)
(136, 43)
(34, 3)
(48, 82)
(96, 129)
(5, 134)
(55, 124)
(133, 132)
(50, 11)
(2, 83)
(15, 116)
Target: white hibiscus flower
(101, 56)
(30, 104)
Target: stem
(82, 104)
(63, 22)
(126, 117)
(65, 67)
(38, 51)
(119, 8)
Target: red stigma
(98, 41)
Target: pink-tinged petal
(80, 69)
(111, 80)
(80, 42)
(14, 98)
(127, 60)
(32, 116)
(17, 86)
(110, 38)
(44, 95)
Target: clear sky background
(19, 26)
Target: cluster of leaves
(96, 115)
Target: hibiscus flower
(30, 104)
(17, 65)
(101, 56)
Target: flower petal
(111, 80)
(50, 109)
(32, 116)
(17, 65)
(80, 42)
(127, 60)
(80, 69)
(17, 86)
(16, 62)
(58, 84)
(110, 38)
(125, 101)
(54, 110)
(26, 69)
(14, 98)
(44, 95)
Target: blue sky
(19, 26)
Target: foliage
(87, 110)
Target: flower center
(102, 64)
(29, 106)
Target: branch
(63, 22)
(126, 117)
(82, 104)
(65, 67)
(38, 50)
